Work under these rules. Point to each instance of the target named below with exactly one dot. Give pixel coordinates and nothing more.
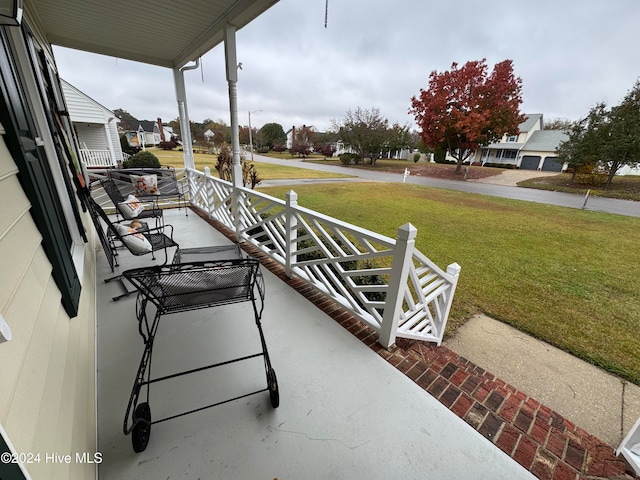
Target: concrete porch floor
(344, 411)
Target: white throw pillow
(135, 241)
(131, 207)
(145, 184)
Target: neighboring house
(294, 133)
(532, 149)
(539, 151)
(149, 134)
(95, 126)
(628, 170)
(48, 396)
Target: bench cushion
(145, 184)
(131, 207)
(135, 241)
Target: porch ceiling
(167, 33)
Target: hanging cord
(201, 71)
(326, 12)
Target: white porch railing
(387, 283)
(97, 158)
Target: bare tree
(365, 131)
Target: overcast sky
(570, 55)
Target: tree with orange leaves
(466, 107)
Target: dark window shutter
(36, 179)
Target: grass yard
(626, 187)
(569, 277)
(266, 171)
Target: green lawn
(569, 277)
(626, 187)
(266, 171)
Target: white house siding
(82, 108)
(628, 170)
(92, 135)
(47, 386)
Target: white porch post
(291, 243)
(231, 60)
(112, 150)
(397, 283)
(185, 128)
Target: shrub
(262, 150)
(499, 165)
(142, 159)
(280, 147)
(416, 157)
(590, 175)
(440, 156)
(325, 149)
(300, 149)
(349, 158)
(250, 174)
(170, 145)
(224, 167)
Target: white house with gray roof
(532, 149)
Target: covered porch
(345, 412)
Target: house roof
(167, 33)
(545, 140)
(529, 122)
(147, 125)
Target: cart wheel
(272, 383)
(141, 430)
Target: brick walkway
(542, 441)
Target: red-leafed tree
(467, 107)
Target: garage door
(551, 164)
(529, 162)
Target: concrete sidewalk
(603, 404)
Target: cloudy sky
(569, 54)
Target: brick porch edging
(541, 440)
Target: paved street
(598, 204)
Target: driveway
(512, 177)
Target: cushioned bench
(149, 184)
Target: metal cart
(183, 287)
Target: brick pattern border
(542, 441)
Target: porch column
(107, 131)
(185, 128)
(231, 61)
(402, 255)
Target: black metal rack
(183, 287)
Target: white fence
(386, 282)
(97, 158)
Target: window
(512, 138)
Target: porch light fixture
(10, 12)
